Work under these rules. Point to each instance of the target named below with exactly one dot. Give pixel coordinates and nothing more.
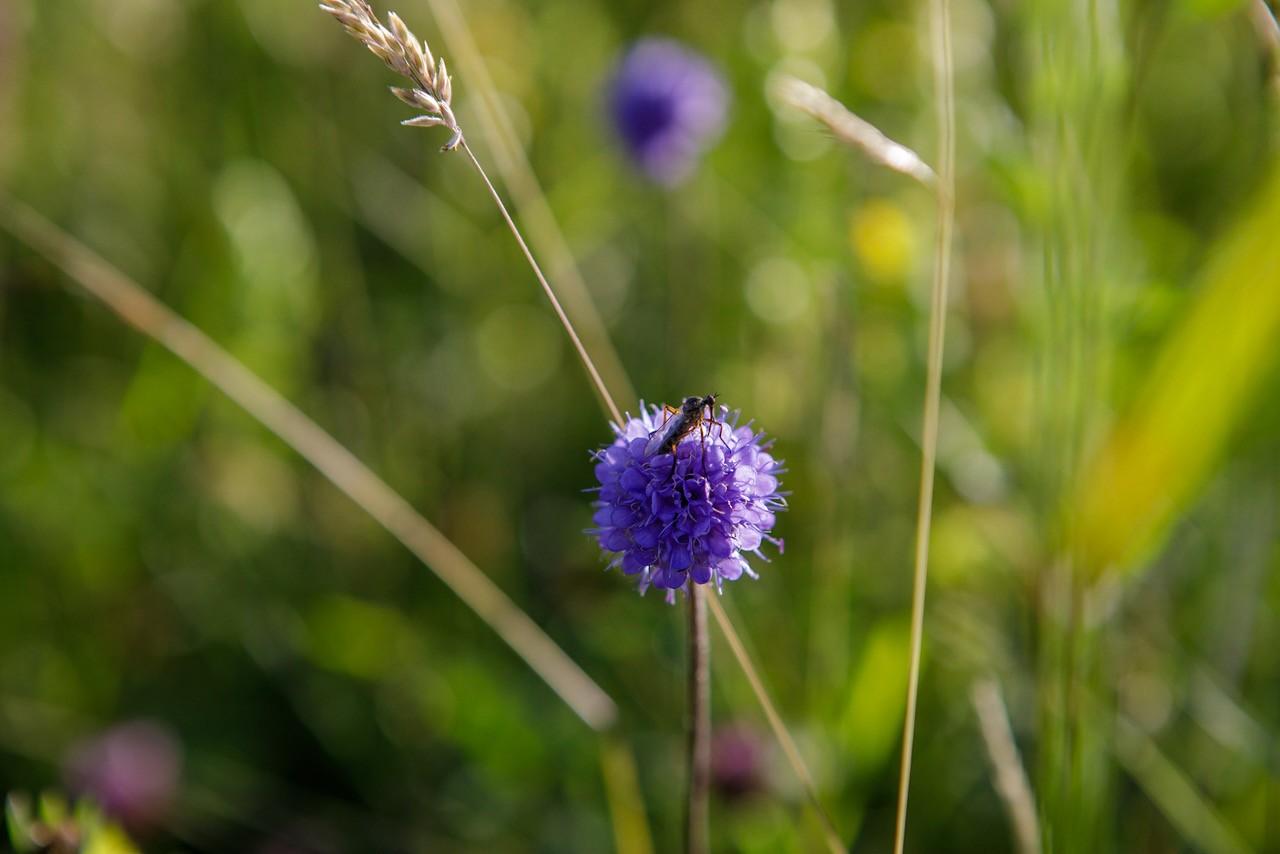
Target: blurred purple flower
(131, 770)
(690, 514)
(668, 105)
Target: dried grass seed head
(404, 54)
(854, 130)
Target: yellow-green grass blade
(1203, 384)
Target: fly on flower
(697, 520)
(681, 423)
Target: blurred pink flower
(737, 761)
(131, 770)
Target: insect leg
(719, 427)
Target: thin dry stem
(401, 51)
(789, 748)
(855, 131)
(944, 82)
(551, 294)
(138, 308)
(1173, 791)
(529, 201)
(622, 791)
(1011, 781)
(1264, 22)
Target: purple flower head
(691, 514)
(668, 104)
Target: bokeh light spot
(779, 291)
(883, 239)
(519, 347)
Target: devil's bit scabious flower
(691, 515)
(668, 105)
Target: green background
(163, 556)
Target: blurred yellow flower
(883, 240)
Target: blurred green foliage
(162, 556)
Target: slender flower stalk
(682, 496)
(698, 807)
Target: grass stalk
(944, 83)
(529, 200)
(622, 790)
(1173, 791)
(432, 94)
(1264, 23)
(1011, 782)
(780, 732)
(587, 362)
(139, 309)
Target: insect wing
(663, 435)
